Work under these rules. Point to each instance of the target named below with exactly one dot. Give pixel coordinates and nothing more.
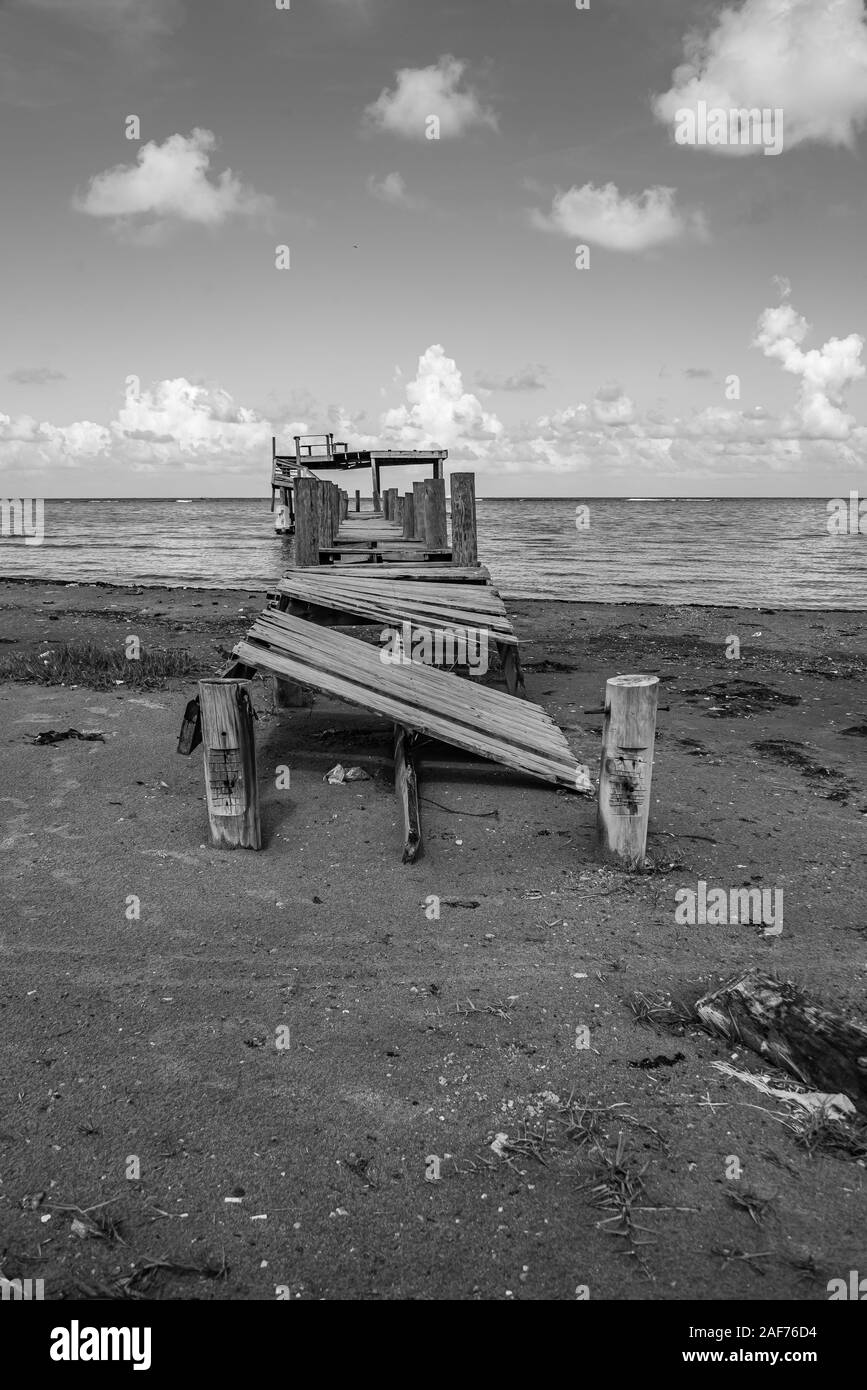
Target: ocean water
(751, 552)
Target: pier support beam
(435, 525)
(230, 764)
(628, 734)
(306, 522)
(357, 500)
(418, 511)
(406, 786)
(408, 516)
(465, 547)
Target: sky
(532, 232)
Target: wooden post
(230, 764)
(406, 786)
(418, 511)
(344, 505)
(628, 733)
(398, 510)
(377, 500)
(408, 516)
(306, 522)
(435, 526)
(357, 500)
(465, 548)
(323, 514)
(334, 494)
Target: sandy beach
(307, 1167)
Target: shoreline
(140, 586)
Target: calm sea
(760, 552)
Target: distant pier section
(314, 452)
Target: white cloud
(440, 413)
(169, 183)
(826, 373)
(805, 57)
(177, 425)
(433, 91)
(604, 217)
(392, 189)
(128, 20)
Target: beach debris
(820, 1048)
(736, 698)
(661, 1060)
(836, 1106)
(500, 1144)
(339, 774)
(49, 736)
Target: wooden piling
(418, 511)
(408, 516)
(398, 510)
(626, 768)
(357, 500)
(406, 785)
(230, 764)
(465, 547)
(323, 515)
(436, 533)
(306, 522)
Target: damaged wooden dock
(395, 565)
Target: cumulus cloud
(420, 93)
(610, 406)
(177, 424)
(127, 20)
(439, 413)
(169, 183)
(605, 217)
(530, 378)
(392, 189)
(825, 373)
(805, 57)
(35, 376)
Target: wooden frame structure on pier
(315, 452)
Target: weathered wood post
(408, 516)
(357, 500)
(323, 513)
(398, 510)
(230, 764)
(418, 511)
(377, 500)
(334, 493)
(625, 772)
(306, 522)
(465, 548)
(344, 505)
(436, 532)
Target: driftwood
(777, 1020)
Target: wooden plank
(562, 773)
(406, 785)
(517, 722)
(461, 698)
